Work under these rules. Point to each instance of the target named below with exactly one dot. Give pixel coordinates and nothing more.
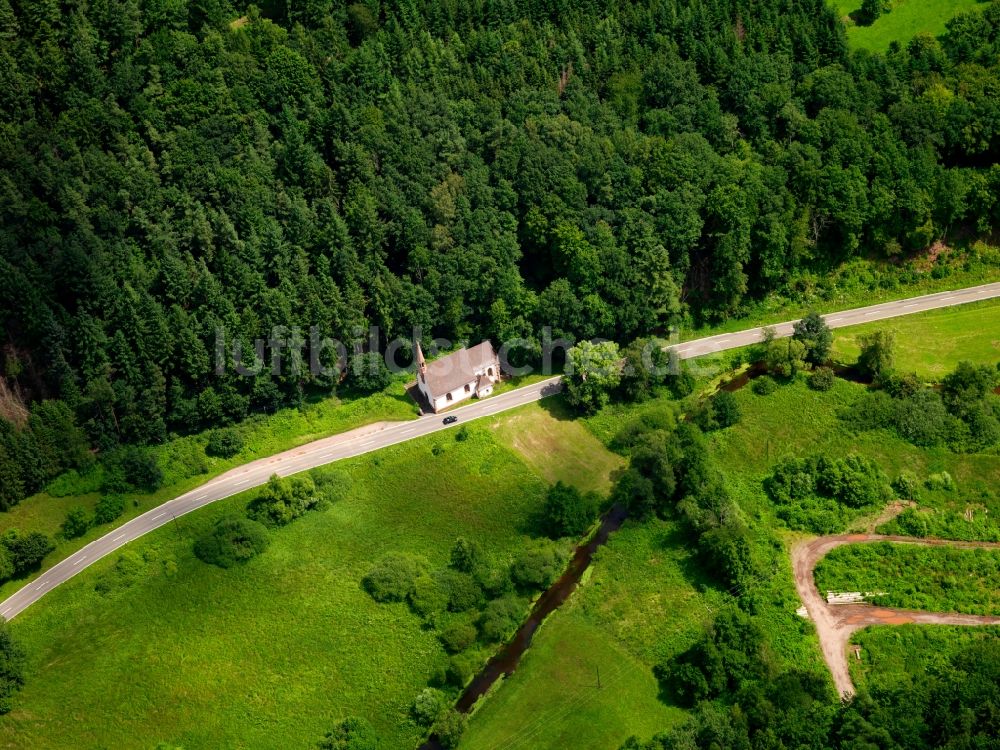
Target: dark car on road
(450, 420)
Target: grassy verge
(935, 579)
(895, 656)
(932, 343)
(906, 19)
(860, 283)
(186, 466)
(273, 653)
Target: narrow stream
(506, 660)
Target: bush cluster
(225, 442)
(964, 414)
(818, 493)
(283, 499)
(231, 541)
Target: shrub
(923, 420)
(940, 481)
(816, 337)
(791, 479)
(132, 468)
(462, 667)
(232, 540)
(730, 553)
(462, 433)
(369, 373)
(635, 492)
(902, 386)
(465, 555)
(877, 355)
(283, 499)
(567, 511)
(6, 564)
(108, 508)
(449, 728)
(814, 493)
(765, 385)
(127, 570)
(458, 636)
(681, 383)
(729, 656)
(427, 597)
(351, 734)
(725, 409)
(12, 661)
(393, 578)
(500, 618)
(72, 482)
(871, 11)
(854, 481)
(27, 551)
(463, 591)
(538, 566)
(822, 379)
(76, 524)
(429, 704)
(224, 443)
(912, 523)
(906, 486)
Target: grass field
(640, 602)
(273, 653)
(892, 656)
(644, 599)
(186, 466)
(936, 579)
(906, 19)
(766, 433)
(558, 447)
(555, 692)
(932, 343)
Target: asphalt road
(723, 341)
(380, 435)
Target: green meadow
(906, 19)
(185, 466)
(935, 579)
(932, 343)
(895, 656)
(272, 653)
(645, 597)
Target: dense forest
(473, 169)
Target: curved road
(380, 435)
(836, 623)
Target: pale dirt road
(835, 624)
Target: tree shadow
(677, 536)
(557, 408)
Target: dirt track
(836, 623)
